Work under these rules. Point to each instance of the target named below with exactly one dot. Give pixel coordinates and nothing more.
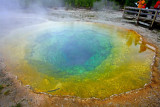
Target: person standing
(157, 5)
(141, 3)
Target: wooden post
(124, 12)
(155, 15)
(138, 16)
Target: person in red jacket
(157, 6)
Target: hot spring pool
(78, 59)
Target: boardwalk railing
(149, 16)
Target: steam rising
(19, 13)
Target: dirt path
(14, 93)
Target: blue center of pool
(72, 51)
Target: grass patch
(1, 87)
(90, 16)
(7, 92)
(17, 105)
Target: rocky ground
(14, 94)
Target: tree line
(81, 3)
(90, 3)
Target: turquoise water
(70, 51)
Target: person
(141, 3)
(148, 6)
(157, 5)
(144, 6)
